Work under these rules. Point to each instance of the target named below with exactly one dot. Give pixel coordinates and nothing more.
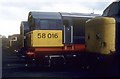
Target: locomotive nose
(101, 33)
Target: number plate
(47, 35)
(46, 38)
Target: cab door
(68, 31)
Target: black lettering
(49, 35)
(39, 35)
(43, 35)
(56, 35)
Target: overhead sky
(12, 12)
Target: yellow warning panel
(45, 38)
(100, 35)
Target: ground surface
(12, 66)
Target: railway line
(15, 67)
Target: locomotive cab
(103, 32)
(46, 30)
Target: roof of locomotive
(45, 15)
(113, 9)
(82, 15)
(57, 15)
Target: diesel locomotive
(53, 35)
(103, 32)
(102, 37)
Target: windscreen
(44, 24)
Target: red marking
(30, 54)
(66, 48)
